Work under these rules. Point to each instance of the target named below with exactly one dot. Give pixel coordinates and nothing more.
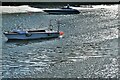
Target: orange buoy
(61, 33)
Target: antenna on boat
(68, 6)
(51, 27)
(58, 22)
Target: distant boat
(33, 34)
(64, 10)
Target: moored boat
(33, 34)
(64, 10)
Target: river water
(88, 49)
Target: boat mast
(58, 25)
(51, 27)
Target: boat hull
(31, 36)
(66, 11)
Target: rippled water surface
(88, 49)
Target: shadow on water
(25, 42)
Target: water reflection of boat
(32, 34)
(64, 10)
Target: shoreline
(56, 3)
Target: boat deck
(32, 31)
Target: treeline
(55, 3)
